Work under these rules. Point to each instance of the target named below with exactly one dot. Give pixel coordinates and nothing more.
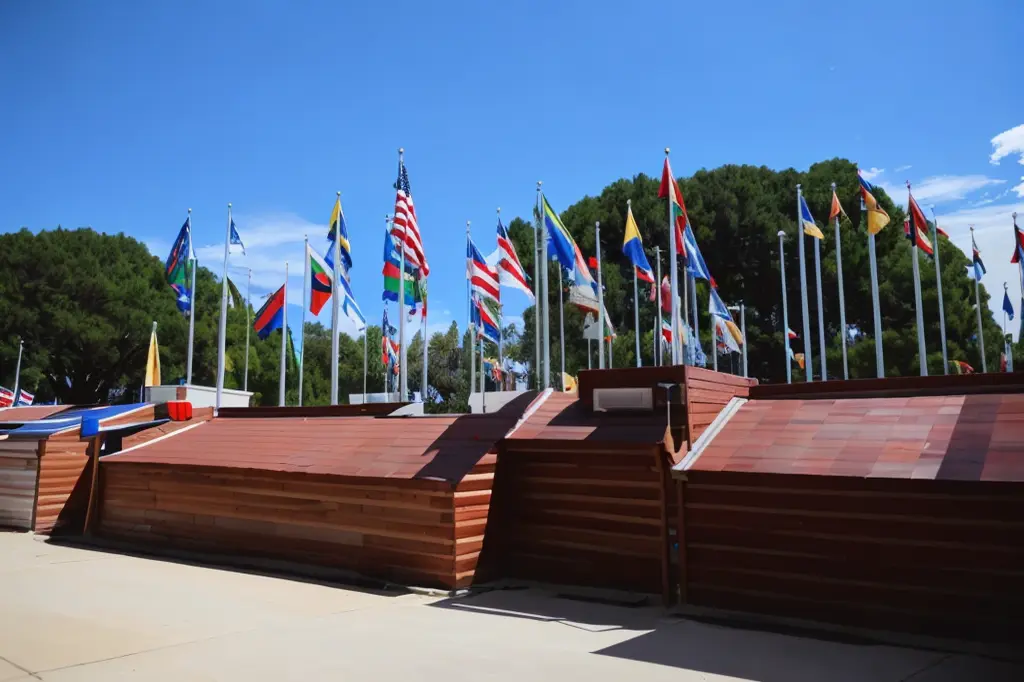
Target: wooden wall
(472, 502)
(574, 513)
(707, 392)
(19, 466)
(63, 492)
(402, 530)
(939, 557)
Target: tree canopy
(84, 301)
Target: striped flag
(6, 397)
(406, 229)
(483, 320)
(483, 277)
(510, 269)
(26, 398)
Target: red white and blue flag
(271, 315)
(483, 277)
(6, 397)
(1018, 244)
(510, 269)
(406, 228)
(916, 226)
(483, 320)
(26, 398)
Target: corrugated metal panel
(19, 465)
(927, 556)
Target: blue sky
(122, 115)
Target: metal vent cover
(623, 400)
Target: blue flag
(1007, 306)
(235, 238)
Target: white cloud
(900, 169)
(1019, 189)
(940, 188)
(1008, 143)
(870, 174)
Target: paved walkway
(69, 615)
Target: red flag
(666, 294)
(670, 188)
(918, 228)
(837, 208)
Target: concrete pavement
(70, 615)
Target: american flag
(6, 397)
(406, 230)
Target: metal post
(222, 327)
(743, 333)
(685, 356)
(403, 374)
(483, 378)
(561, 327)
(636, 318)
(469, 322)
(842, 296)
(938, 291)
(336, 305)
(785, 307)
(17, 373)
(658, 360)
(191, 304)
(248, 324)
(696, 316)
(537, 234)
(1006, 347)
(600, 298)
(366, 330)
(284, 340)
(673, 276)
(808, 361)
(306, 286)
(879, 363)
(426, 348)
(821, 309)
(921, 352)
(546, 322)
(977, 302)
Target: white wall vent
(623, 400)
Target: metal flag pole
(589, 350)
(636, 300)
(743, 333)
(938, 290)
(842, 296)
(808, 361)
(685, 357)
(222, 327)
(921, 351)
(673, 277)
(714, 342)
(284, 340)
(501, 332)
(336, 306)
(657, 316)
(600, 298)
(821, 309)
(696, 315)
(17, 373)
(483, 383)
(403, 378)
(977, 302)
(546, 322)
(537, 235)
(785, 307)
(879, 363)
(426, 347)
(248, 309)
(191, 303)
(306, 286)
(561, 328)
(366, 366)
(1006, 347)
(469, 315)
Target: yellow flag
(153, 361)
(568, 383)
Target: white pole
(537, 234)
(686, 315)
(610, 340)
(469, 317)
(636, 300)
(426, 347)
(785, 306)
(483, 379)
(222, 329)
(403, 375)
(284, 340)
(561, 328)
(600, 298)
(879, 363)
(842, 296)
(1006, 347)
(938, 291)
(821, 309)
(306, 286)
(714, 342)
(808, 362)
(921, 352)
(546, 322)
(743, 333)
(657, 317)
(191, 304)
(673, 277)
(696, 316)
(336, 309)
(589, 363)
(366, 329)
(977, 305)
(17, 373)
(248, 324)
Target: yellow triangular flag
(153, 361)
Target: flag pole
(191, 304)
(873, 261)
(469, 314)
(336, 307)
(921, 350)
(546, 322)
(696, 315)
(306, 286)
(501, 332)
(284, 339)
(658, 360)
(222, 329)
(977, 302)
(673, 277)
(561, 328)
(686, 307)
(17, 374)
(483, 384)
(714, 342)
(536, 288)
(1006, 348)
(426, 347)
(248, 288)
(743, 333)
(842, 296)
(403, 378)
(636, 300)
(785, 307)
(366, 333)
(821, 309)
(600, 298)
(938, 290)
(808, 361)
